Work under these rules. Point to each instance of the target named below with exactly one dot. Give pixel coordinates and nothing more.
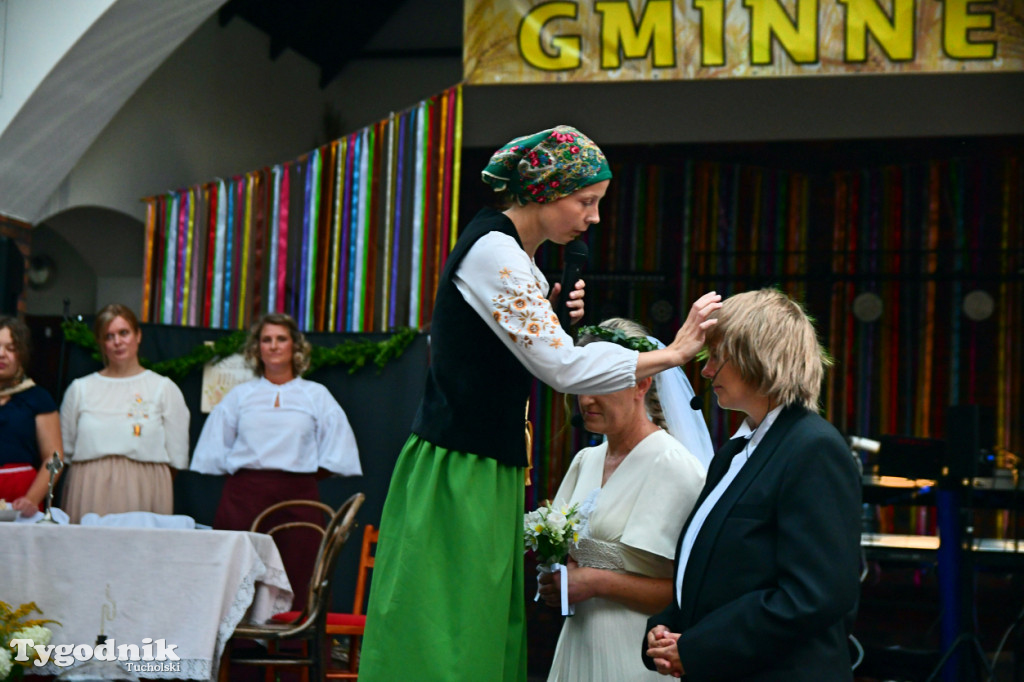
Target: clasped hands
(661, 644)
(662, 648)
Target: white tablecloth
(187, 587)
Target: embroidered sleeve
(506, 289)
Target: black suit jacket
(772, 582)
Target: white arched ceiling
(83, 91)
(38, 33)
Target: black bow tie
(723, 460)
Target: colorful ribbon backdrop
(921, 236)
(350, 237)
(667, 234)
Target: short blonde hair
(301, 349)
(772, 343)
(108, 314)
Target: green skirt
(446, 595)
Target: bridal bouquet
(549, 531)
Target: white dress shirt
(704, 510)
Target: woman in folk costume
(124, 428)
(274, 437)
(447, 589)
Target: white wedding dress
(633, 525)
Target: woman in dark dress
(29, 425)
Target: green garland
(355, 354)
(617, 336)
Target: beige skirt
(115, 484)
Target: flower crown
(638, 343)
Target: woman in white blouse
(124, 428)
(273, 436)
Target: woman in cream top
(124, 428)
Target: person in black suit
(767, 566)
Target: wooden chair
(308, 627)
(354, 624)
(351, 624)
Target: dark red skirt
(249, 491)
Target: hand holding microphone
(576, 253)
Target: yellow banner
(533, 41)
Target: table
(959, 552)
(992, 552)
(187, 587)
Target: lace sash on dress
(591, 552)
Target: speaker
(970, 435)
(909, 457)
(12, 275)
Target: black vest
(476, 391)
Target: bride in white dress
(637, 489)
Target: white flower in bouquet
(15, 624)
(5, 663)
(551, 530)
(557, 522)
(37, 633)
(533, 525)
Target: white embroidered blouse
(142, 417)
(508, 290)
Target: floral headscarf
(546, 166)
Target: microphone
(697, 401)
(865, 444)
(576, 253)
(577, 421)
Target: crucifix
(54, 466)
